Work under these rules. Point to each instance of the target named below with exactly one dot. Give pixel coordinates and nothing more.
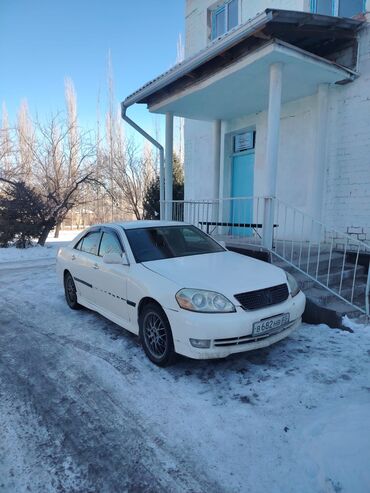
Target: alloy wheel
(155, 334)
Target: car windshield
(165, 242)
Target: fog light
(201, 343)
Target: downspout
(161, 155)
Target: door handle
(96, 266)
(73, 257)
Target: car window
(109, 244)
(79, 244)
(169, 241)
(90, 243)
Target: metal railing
(332, 259)
(237, 219)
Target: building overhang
(243, 87)
(233, 68)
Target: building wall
(346, 204)
(347, 198)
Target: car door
(86, 264)
(111, 289)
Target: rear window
(164, 242)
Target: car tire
(70, 292)
(156, 335)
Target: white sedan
(179, 290)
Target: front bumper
(235, 327)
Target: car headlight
(293, 285)
(199, 300)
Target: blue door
(242, 176)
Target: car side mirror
(115, 258)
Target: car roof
(143, 224)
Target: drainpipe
(161, 155)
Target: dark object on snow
(316, 314)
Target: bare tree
(102, 173)
(112, 134)
(132, 173)
(63, 159)
(25, 143)
(72, 136)
(6, 146)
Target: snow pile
(351, 324)
(49, 251)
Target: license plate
(270, 324)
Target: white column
(169, 165)
(272, 149)
(161, 184)
(221, 188)
(216, 167)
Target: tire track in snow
(81, 415)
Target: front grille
(253, 300)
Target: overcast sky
(44, 41)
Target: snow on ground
(13, 254)
(82, 409)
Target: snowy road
(82, 410)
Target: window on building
(224, 17)
(350, 8)
(324, 7)
(341, 8)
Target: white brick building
(282, 93)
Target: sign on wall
(243, 141)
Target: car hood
(226, 272)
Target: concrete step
(348, 273)
(344, 309)
(324, 306)
(306, 282)
(325, 298)
(311, 258)
(321, 269)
